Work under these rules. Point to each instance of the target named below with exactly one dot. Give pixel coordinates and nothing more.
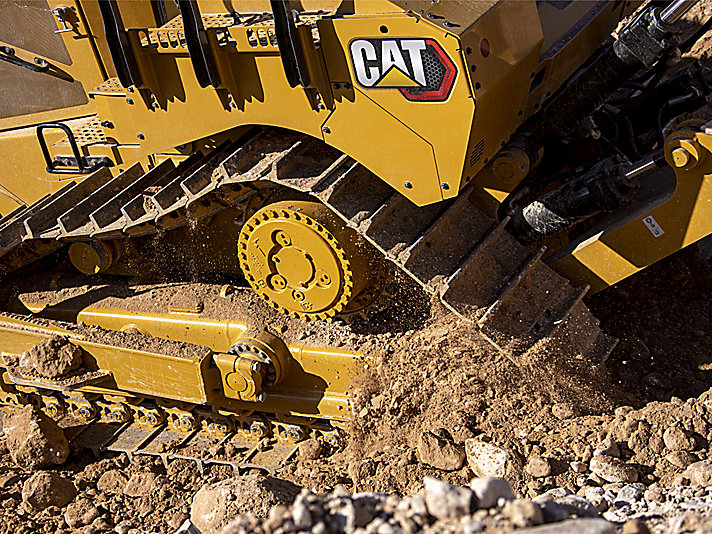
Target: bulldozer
(185, 184)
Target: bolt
(298, 296)
(347, 86)
(130, 89)
(321, 106)
(258, 429)
(326, 129)
(140, 136)
(154, 105)
(337, 86)
(445, 186)
(129, 101)
(408, 185)
(107, 124)
(680, 157)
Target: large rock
(612, 469)
(34, 440)
(677, 439)
(48, 489)
(53, 357)
(80, 513)
(487, 460)
(446, 501)
(700, 473)
(215, 505)
(439, 452)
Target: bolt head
(129, 101)
(326, 129)
(408, 185)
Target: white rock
(612, 469)
(489, 490)
(487, 460)
(446, 501)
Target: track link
(452, 249)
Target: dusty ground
(435, 375)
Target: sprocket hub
(304, 262)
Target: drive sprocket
(303, 261)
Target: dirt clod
(439, 451)
(46, 489)
(53, 357)
(34, 440)
(216, 504)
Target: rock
(522, 513)
(48, 489)
(446, 500)
(578, 506)
(596, 497)
(681, 459)
(700, 473)
(573, 526)
(81, 512)
(552, 494)
(488, 491)
(300, 512)
(552, 512)
(537, 466)
(563, 411)
(214, 505)
(101, 524)
(579, 467)
(635, 526)
(139, 484)
(628, 495)
(439, 452)
(113, 481)
(677, 439)
(53, 357)
(8, 479)
(175, 519)
(612, 469)
(34, 440)
(487, 460)
(123, 528)
(310, 449)
(608, 447)
(653, 495)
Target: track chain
(452, 249)
(172, 431)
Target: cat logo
(419, 68)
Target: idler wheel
(301, 259)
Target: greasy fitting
(303, 261)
